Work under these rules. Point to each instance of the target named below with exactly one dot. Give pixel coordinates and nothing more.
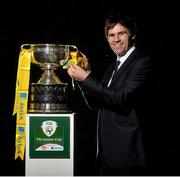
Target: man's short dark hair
(124, 20)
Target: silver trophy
(49, 94)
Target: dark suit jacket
(123, 110)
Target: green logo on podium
(49, 137)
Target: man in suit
(122, 100)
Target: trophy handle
(29, 47)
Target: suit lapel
(108, 75)
(124, 66)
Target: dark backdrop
(82, 24)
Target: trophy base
(48, 98)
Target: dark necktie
(116, 66)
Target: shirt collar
(124, 57)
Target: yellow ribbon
(74, 59)
(21, 100)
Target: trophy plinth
(48, 98)
(49, 94)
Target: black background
(82, 24)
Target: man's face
(119, 39)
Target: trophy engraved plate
(49, 94)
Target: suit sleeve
(124, 95)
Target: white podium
(49, 145)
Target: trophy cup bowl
(49, 94)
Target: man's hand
(85, 63)
(77, 73)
